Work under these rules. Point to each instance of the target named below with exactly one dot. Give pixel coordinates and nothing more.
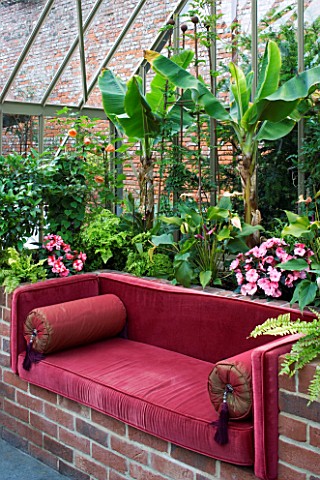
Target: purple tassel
(32, 356)
(221, 435)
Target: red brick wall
(299, 427)
(86, 445)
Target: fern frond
(281, 325)
(314, 387)
(301, 355)
(303, 351)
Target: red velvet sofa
(154, 375)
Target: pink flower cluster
(257, 271)
(63, 261)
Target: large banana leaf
(269, 76)
(274, 131)
(139, 122)
(183, 79)
(240, 90)
(159, 85)
(284, 101)
(113, 91)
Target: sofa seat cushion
(161, 392)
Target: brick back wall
(86, 445)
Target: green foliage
(270, 116)
(141, 265)
(22, 268)
(299, 226)
(66, 195)
(21, 188)
(205, 237)
(103, 241)
(306, 349)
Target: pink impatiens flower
(300, 249)
(249, 289)
(274, 274)
(78, 265)
(252, 275)
(58, 267)
(51, 260)
(82, 256)
(240, 278)
(234, 264)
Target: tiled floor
(16, 465)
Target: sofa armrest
(41, 294)
(265, 401)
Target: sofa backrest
(191, 322)
(30, 296)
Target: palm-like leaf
(113, 91)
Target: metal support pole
(301, 177)
(213, 122)
(41, 148)
(254, 63)
(41, 133)
(82, 52)
(254, 44)
(1, 130)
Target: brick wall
(86, 445)
(299, 427)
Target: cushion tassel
(221, 435)
(32, 356)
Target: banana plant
(142, 118)
(271, 114)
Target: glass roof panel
(140, 36)
(46, 54)
(17, 22)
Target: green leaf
(225, 203)
(159, 85)
(305, 293)
(139, 247)
(274, 131)
(224, 233)
(239, 89)
(205, 278)
(184, 273)
(248, 229)
(139, 121)
(298, 265)
(113, 91)
(216, 213)
(269, 76)
(164, 239)
(183, 79)
(172, 220)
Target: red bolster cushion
(232, 376)
(70, 324)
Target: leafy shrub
(66, 195)
(21, 186)
(104, 242)
(141, 262)
(22, 268)
(201, 241)
(141, 265)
